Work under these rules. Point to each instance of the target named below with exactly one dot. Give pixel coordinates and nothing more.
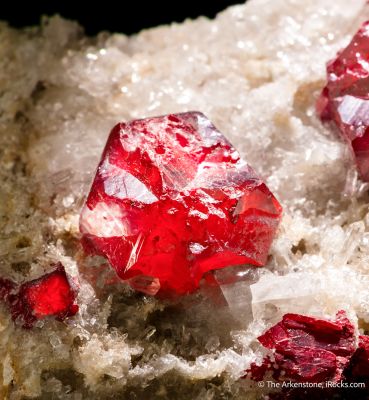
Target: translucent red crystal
(307, 349)
(50, 295)
(345, 98)
(171, 200)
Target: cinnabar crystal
(50, 295)
(345, 98)
(307, 349)
(172, 200)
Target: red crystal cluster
(171, 200)
(311, 350)
(49, 295)
(308, 349)
(345, 98)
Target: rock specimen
(255, 71)
(172, 200)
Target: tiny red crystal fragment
(172, 200)
(345, 98)
(307, 349)
(49, 295)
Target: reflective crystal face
(345, 98)
(171, 200)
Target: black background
(115, 16)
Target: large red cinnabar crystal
(345, 98)
(171, 200)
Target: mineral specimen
(254, 71)
(172, 200)
(307, 349)
(49, 295)
(345, 98)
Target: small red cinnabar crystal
(49, 295)
(345, 98)
(171, 200)
(307, 349)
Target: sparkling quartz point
(172, 200)
(345, 98)
(50, 295)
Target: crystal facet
(49, 295)
(307, 349)
(345, 98)
(172, 200)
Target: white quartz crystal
(255, 71)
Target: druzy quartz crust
(172, 200)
